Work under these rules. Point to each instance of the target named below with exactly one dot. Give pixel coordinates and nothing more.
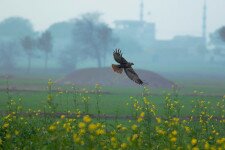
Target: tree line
(86, 38)
(69, 44)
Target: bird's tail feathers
(117, 69)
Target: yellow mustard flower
(139, 119)
(87, 118)
(98, 124)
(134, 137)
(113, 139)
(76, 138)
(173, 139)
(206, 146)
(82, 131)
(175, 119)
(100, 131)
(146, 101)
(187, 129)
(220, 141)
(52, 128)
(158, 119)
(67, 127)
(113, 132)
(195, 148)
(134, 127)
(17, 132)
(160, 131)
(123, 145)
(81, 125)
(194, 141)
(50, 97)
(81, 142)
(92, 127)
(119, 126)
(174, 132)
(213, 148)
(142, 114)
(62, 116)
(123, 128)
(7, 136)
(6, 125)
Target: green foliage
(147, 127)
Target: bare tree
(7, 56)
(28, 45)
(95, 37)
(45, 44)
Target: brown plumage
(127, 66)
(117, 69)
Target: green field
(95, 117)
(34, 92)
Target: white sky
(172, 17)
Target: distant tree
(63, 49)
(217, 40)
(61, 30)
(15, 28)
(7, 56)
(67, 61)
(93, 37)
(222, 33)
(68, 58)
(45, 45)
(71, 55)
(28, 45)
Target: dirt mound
(106, 77)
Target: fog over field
(172, 38)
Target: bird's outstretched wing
(132, 75)
(117, 69)
(118, 56)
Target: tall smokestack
(141, 11)
(204, 19)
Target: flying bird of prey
(127, 66)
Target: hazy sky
(172, 17)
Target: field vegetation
(50, 116)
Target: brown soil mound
(106, 77)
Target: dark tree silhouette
(217, 40)
(222, 33)
(28, 45)
(93, 37)
(45, 45)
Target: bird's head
(131, 64)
